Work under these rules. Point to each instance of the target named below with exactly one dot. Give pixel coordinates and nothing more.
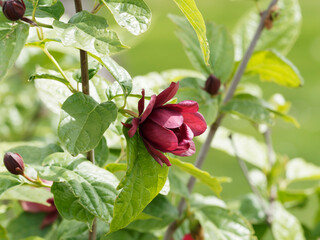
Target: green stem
(35, 4)
(43, 24)
(96, 8)
(130, 95)
(51, 77)
(54, 61)
(37, 182)
(131, 113)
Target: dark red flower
(187, 237)
(52, 212)
(168, 128)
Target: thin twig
(270, 151)
(236, 79)
(86, 90)
(245, 171)
(271, 159)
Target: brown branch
(86, 90)
(235, 81)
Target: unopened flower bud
(13, 9)
(14, 163)
(212, 85)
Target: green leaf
(28, 193)
(101, 153)
(250, 207)
(129, 235)
(3, 233)
(76, 129)
(8, 181)
(122, 77)
(299, 170)
(292, 198)
(248, 107)
(79, 182)
(74, 230)
(143, 181)
(27, 225)
(178, 183)
(191, 89)
(12, 40)
(281, 37)
(203, 176)
(46, 2)
(133, 15)
(222, 224)
(116, 167)
(272, 67)
(34, 155)
(190, 10)
(248, 148)
(44, 11)
(285, 226)
(190, 42)
(163, 214)
(88, 32)
(221, 51)
(93, 68)
(69, 205)
(197, 201)
(52, 93)
(33, 238)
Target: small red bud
(212, 85)
(13, 9)
(14, 163)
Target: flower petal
(185, 148)
(196, 122)
(49, 219)
(167, 94)
(32, 207)
(127, 125)
(161, 138)
(157, 155)
(184, 106)
(133, 129)
(141, 103)
(148, 109)
(166, 118)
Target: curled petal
(167, 94)
(148, 109)
(186, 132)
(166, 118)
(196, 122)
(134, 127)
(157, 155)
(185, 148)
(141, 103)
(184, 106)
(161, 138)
